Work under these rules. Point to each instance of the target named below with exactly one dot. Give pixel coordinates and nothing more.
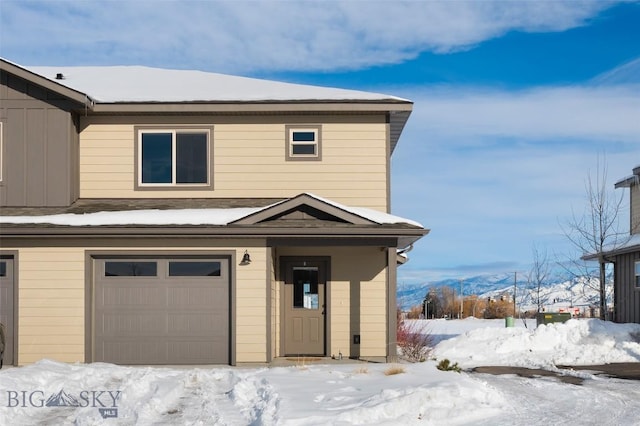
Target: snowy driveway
(338, 394)
(52, 393)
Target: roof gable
(49, 84)
(304, 207)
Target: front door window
(305, 288)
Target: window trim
(316, 129)
(173, 129)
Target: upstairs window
(637, 274)
(303, 143)
(174, 157)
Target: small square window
(303, 143)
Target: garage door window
(195, 269)
(130, 269)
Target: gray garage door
(162, 311)
(6, 305)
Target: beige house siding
(249, 159)
(51, 301)
(366, 269)
(275, 307)
(51, 304)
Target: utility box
(551, 317)
(509, 322)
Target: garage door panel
(196, 297)
(162, 319)
(130, 352)
(135, 324)
(196, 352)
(119, 296)
(195, 324)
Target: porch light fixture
(246, 259)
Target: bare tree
(596, 230)
(538, 276)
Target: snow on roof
(138, 217)
(373, 215)
(627, 181)
(631, 243)
(214, 217)
(117, 84)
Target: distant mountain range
(578, 292)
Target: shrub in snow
(396, 369)
(415, 342)
(445, 365)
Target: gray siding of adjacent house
(627, 296)
(635, 209)
(39, 146)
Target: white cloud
(240, 36)
(591, 113)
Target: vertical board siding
(249, 161)
(627, 295)
(38, 147)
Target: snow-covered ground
(343, 393)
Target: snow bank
(345, 393)
(576, 342)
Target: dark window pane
(304, 136)
(130, 269)
(156, 158)
(194, 269)
(3, 269)
(303, 149)
(191, 158)
(305, 288)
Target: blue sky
(516, 102)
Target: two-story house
(153, 216)
(625, 257)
